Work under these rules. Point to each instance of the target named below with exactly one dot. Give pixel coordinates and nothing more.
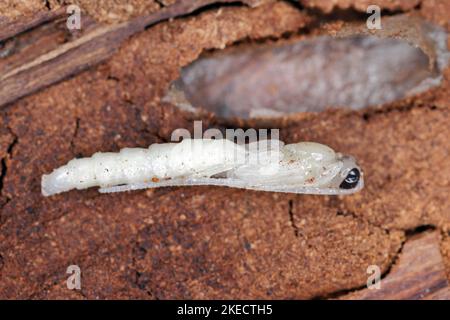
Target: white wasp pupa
(268, 165)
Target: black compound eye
(351, 180)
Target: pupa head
(350, 177)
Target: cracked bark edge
(422, 242)
(341, 294)
(393, 258)
(88, 50)
(292, 218)
(75, 134)
(3, 170)
(4, 167)
(137, 275)
(6, 198)
(415, 234)
(445, 250)
(418, 267)
(10, 28)
(387, 7)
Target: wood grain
(92, 47)
(10, 28)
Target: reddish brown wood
(418, 274)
